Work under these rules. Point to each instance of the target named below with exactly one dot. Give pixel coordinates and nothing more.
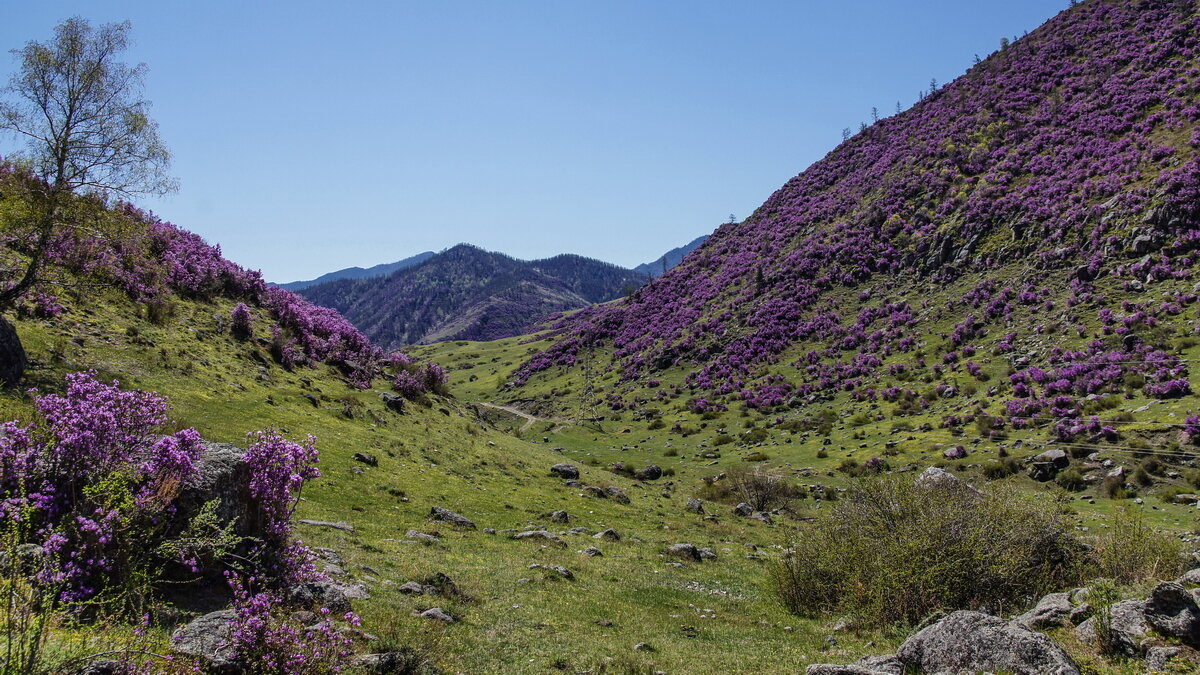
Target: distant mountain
(467, 293)
(670, 259)
(360, 273)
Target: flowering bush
(240, 322)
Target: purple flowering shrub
(95, 485)
(268, 643)
(241, 322)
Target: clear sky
(312, 136)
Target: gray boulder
(556, 570)
(422, 537)
(1158, 657)
(1190, 578)
(1051, 611)
(437, 614)
(392, 402)
(744, 510)
(560, 517)
(592, 552)
(686, 551)
(872, 665)
(617, 494)
(221, 476)
(209, 639)
(446, 515)
(968, 642)
(608, 535)
(695, 505)
(366, 458)
(1129, 627)
(540, 535)
(566, 471)
(1171, 610)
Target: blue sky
(311, 136)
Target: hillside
(670, 259)
(360, 272)
(1067, 158)
(466, 293)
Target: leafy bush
(1130, 551)
(893, 551)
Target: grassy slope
(441, 455)
(476, 368)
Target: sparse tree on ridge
(86, 131)
(79, 113)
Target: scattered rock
(592, 552)
(695, 505)
(608, 535)
(554, 569)
(617, 494)
(566, 471)
(707, 554)
(1190, 578)
(743, 509)
(446, 515)
(968, 641)
(649, 472)
(560, 517)
(389, 663)
(687, 551)
(421, 537)
(416, 588)
(436, 614)
(542, 535)
(392, 402)
(366, 458)
(209, 639)
(761, 516)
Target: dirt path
(530, 420)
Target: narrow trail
(530, 420)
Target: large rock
(565, 471)
(210, 639)
(1171, 610)
(1046, 466)
(222, 476)
(448, 516)
(617, 494)
(12, 355)
(936, 478)
(969, 642)
(1129, 627)
(686, 551)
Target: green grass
(714, 617)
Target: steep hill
(466, 293)
(670, 259)
(360, 272)
(1066, 158)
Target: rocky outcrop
(1129, 627)
(1171, 610)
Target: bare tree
(86, 132)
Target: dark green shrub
(1071, 480)
(893, 551)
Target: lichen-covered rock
(1129, 627)
(540, 535)
(969, 642)
(1172, 611)
(209, 639)
(686, 551)
(1051, 611)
